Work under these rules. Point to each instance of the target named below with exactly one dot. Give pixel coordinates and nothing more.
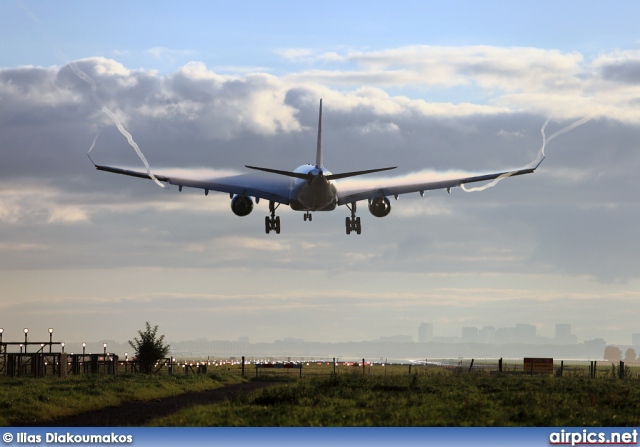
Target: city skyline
(519, 333)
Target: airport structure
(41, 358)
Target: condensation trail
(488, 185)
(94, 142)
(565, 129)
(545, 140)
(89, 80)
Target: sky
(426, 86)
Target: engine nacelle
(380, 207)
(241, 205)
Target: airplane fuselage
(313, 194)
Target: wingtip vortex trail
(540, 158)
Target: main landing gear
(272, 222)
(307, 216)
(353, 223)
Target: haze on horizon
(425, 87)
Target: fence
(41, 364)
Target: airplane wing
(354, 193)
(272, 188)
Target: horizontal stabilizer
(276, 171)
(309, 175)
(354, 173)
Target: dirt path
(138, 413)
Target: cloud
(67, 214)
(561, 84)
(169, 54)
(85, 233)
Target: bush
(149, 348)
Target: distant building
(487, 335)
(425, 332)
(469, 334)
(564, 335)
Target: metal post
(363, 372)
(243, 366)
(334, 366)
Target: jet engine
(380, 206)
(241, 205)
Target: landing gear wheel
(353, 223)
(272, 222)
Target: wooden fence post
(621, 371)
(500, 365)
(243, 366)
(471, 365)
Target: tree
(612, 353)
(630, 355)
(149, 348)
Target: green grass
(427, 400)
(29, 399)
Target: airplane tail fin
(319, 148)
(309, 176)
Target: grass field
(29, 399)
(428, 400)
(376, 395)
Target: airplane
(309, 188)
